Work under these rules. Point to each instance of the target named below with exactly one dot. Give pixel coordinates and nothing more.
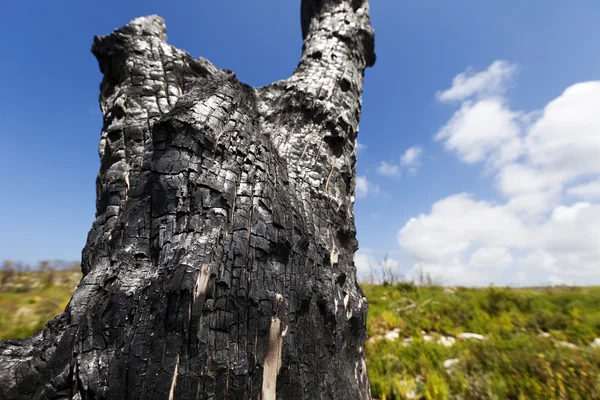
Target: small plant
(7, 273)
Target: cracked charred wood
(220, 264)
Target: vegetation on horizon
(537, 340)
(29, 299)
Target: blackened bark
(220, 264)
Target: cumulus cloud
(545, 226)
(411, 157)
(490, 258)
(501, 246)
(360, 147)
(388, 169)
(363, 265)
(588, 191)
(410, 161)
(566, 137)
(493, 81)
(364, 187)
(457, 223)
(484, 130)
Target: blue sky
(516, 62)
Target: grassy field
(29, 299)
(534, 343)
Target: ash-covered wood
(220, 264)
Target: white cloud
(410, 160)
(587, 191)
(489, 243)
(485, 130)
(363, 264)
(457, 223)
(364, 187)
(572, 234)
(487, 258)
(542, 161)
(566, 137)
(412, 157)
(360, 147)
(388, 169)
(493, 81)
(528, 190)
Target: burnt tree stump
(221, 261)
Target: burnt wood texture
(221, 261)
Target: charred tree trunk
(220, 264)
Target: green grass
(29, 299)
(516, 362)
